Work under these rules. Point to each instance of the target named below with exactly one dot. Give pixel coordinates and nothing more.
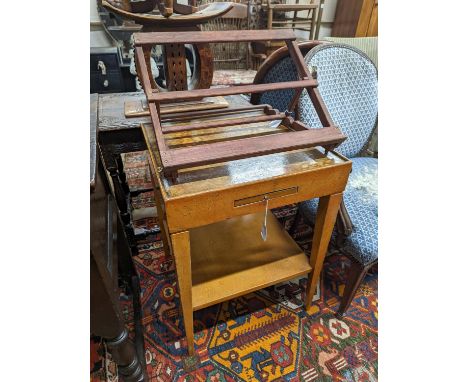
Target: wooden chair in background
(232, 55)
(256, 53)
(298, 15)
(303, 17)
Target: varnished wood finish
(199, 155)
(181, 250)
(213, 114)
(372, 29)
(194, 200)
(250, 263)
(201, 199)
(355, 18)
(324, 223)
(223, 123)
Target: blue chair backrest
(348, 82)
(283, 70)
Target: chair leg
(355, 275)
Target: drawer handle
(262, 197)
(102, 67)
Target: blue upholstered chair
(348, 85)
(279, 67)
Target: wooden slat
(241, 89)
(314, 95)
(223, 123)
(157, 129)
(175, 117)
(291, 21)
(292, 7)
(176, 159)
(155, 38)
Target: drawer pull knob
(102, 67)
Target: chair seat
(360, 198)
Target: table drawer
(197, 210)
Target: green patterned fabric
(366, 44)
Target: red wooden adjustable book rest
(298, 135)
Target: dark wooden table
(110, 264)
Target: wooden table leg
(181, 250)
(324, 223)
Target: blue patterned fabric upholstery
(283, 70)
(360, 198)
(347, 81)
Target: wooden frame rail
(186, 95)
(297, 136)
(161, 38)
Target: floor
(263, 336)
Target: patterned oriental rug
(262, 336)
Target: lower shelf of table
(230, 258)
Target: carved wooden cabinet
(356, 18)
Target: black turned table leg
(107, 322)
(123, 353)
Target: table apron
(197, 210)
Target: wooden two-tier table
(211, 216)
